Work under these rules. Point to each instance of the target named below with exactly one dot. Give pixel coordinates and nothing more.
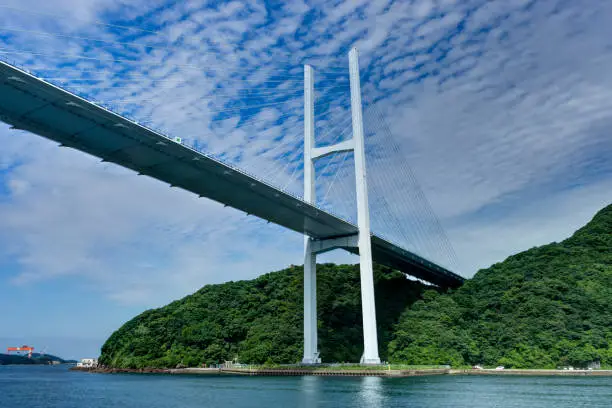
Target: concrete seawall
(342, 373)
(328, 373)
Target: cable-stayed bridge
(32, 104)
(29, 103)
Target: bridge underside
(33, 105)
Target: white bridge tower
(361, 240)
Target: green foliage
(260, 321)
(545, 307)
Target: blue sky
(500, 108)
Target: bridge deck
(31, 104)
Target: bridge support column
(370, 339)
(311, 351)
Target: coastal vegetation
(260, 321)
(543, 308)
(546, 307)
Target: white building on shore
(88, 362)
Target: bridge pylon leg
(311, 352)
(370, 340)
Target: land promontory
(545, 307)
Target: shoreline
(533, 372)
(343, 373)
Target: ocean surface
(49, 386)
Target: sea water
(56, 386)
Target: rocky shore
(110, 370)
(266, 371)
(344, 373)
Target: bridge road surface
(31, 104)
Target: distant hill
(545, 307)
(6, 359)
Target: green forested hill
(260, 320)
(544, 307)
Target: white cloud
(551, 218)
(522, 114)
